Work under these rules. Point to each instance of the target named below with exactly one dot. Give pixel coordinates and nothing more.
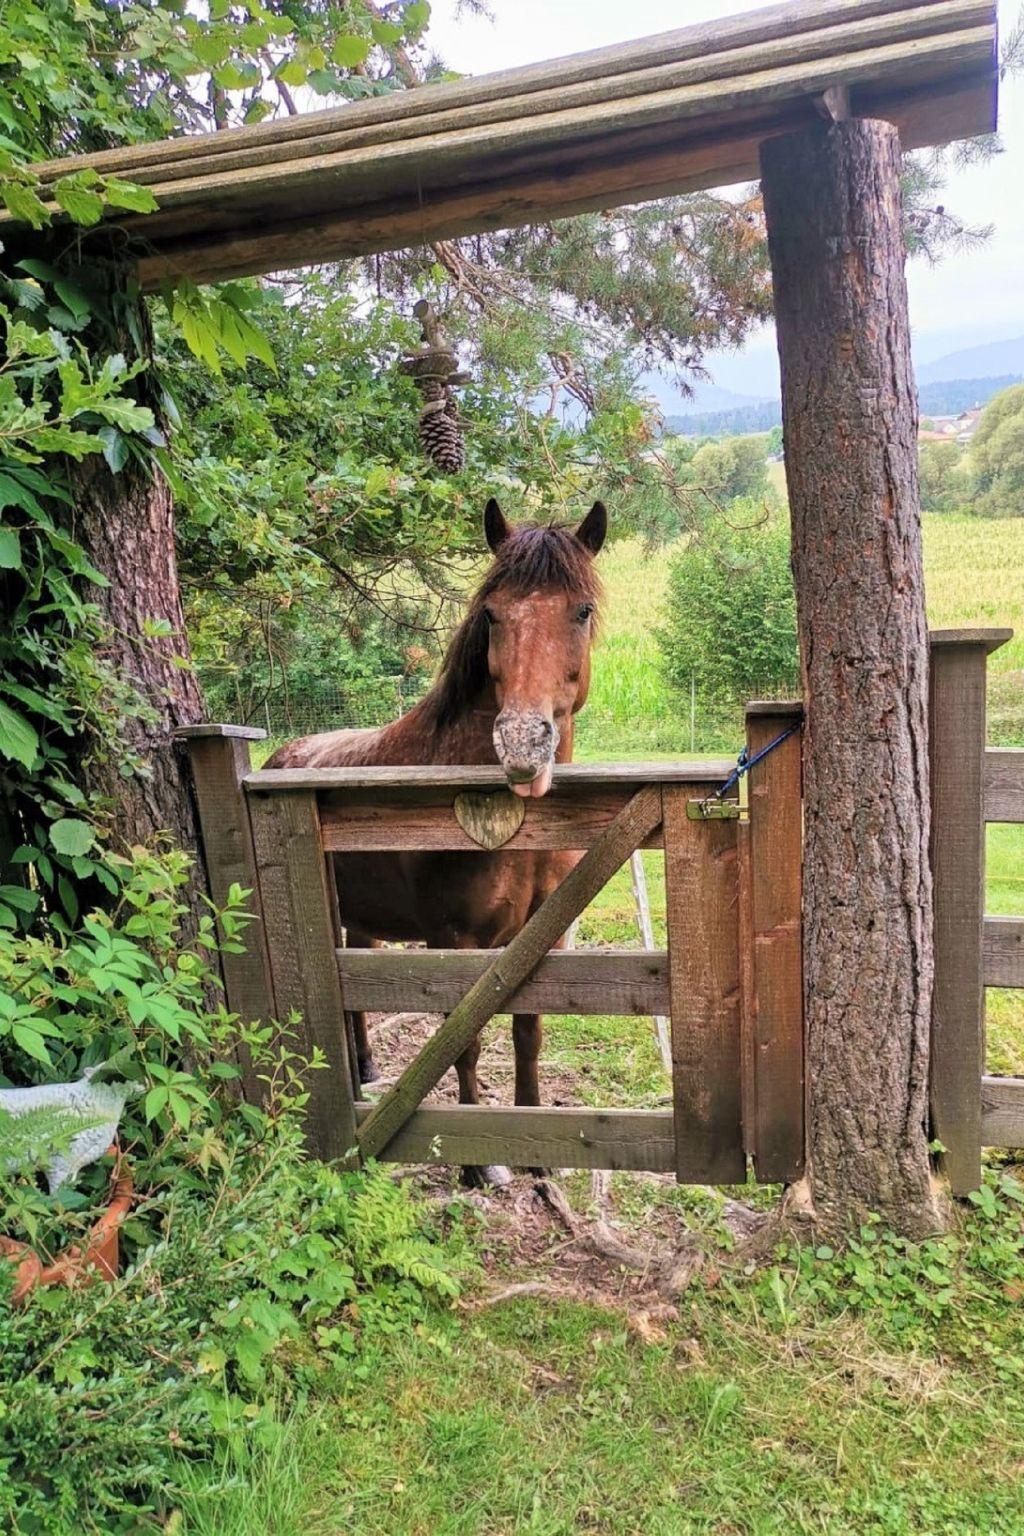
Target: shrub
(730, 620)
(252, 1275)
(997, 456)
(941, 468)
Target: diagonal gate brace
(507, 972)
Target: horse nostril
(547, 729)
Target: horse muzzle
(525, 744)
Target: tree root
(667, 1271)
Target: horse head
(537, 607)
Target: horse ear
(591, 532)
(496, 530)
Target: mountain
(942, 397)
(705, 397)
(996, 359)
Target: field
(879, 1393)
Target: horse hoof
(493, 1176)
(367, 1071)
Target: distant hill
(949, 398)
(996, 359)
(941, 398)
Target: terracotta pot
(95, 1259)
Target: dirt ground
(625, 1241)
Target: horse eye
(583, 612)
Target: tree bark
(833, 207)
(125, 524)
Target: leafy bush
(997, 456)
(265, 1278)
(941, 467)
(253, 1274)
(731, 612)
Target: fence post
(957, 742)
(302, 939)
(774, 1033)
(701, 891)
(219, 758)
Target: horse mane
(528, 560)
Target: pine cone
(441, 435)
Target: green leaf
(72, 837)
(79, 203)
(31, 1042)
(18, 896)
(17, 738)
(292, 73)
(10, 549)
(155, 1100)
(350, 51)
(23, 204)
(125, 194)
(115, 448)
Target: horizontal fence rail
(1004, 784)
(641, 1140)
(608, 981)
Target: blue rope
(745, 762)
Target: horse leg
(356, 1021)
(527, 1034)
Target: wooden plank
(708, 770)
(605, 981)
(1003, 951)
(957, 731)
(446, 159)
(628, 167)
(1002, 1112)
(638, 876)
(748, 999)
(637, 1139)
(1004, 784)
(301, 941)
(219, 759)
(704, 989)
(515, 963)
(776, 836)
(447, 109)
(363, 821)
(618, 63)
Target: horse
(515, 675)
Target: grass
(878, 1394)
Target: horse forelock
(548, 559)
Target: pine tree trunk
(833, 206)
(125, 524)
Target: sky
(968, 298)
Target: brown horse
(514, 676)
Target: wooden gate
(730, 978)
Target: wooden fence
(730, 978)
(972, 786)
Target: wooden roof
(668, 114)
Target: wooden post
(219, 759)
(302, 939)
(777, 1025)
(958, 667)
(835, 229)
(704, 989)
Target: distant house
(950, 429)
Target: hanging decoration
(432, 365)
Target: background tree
(996, 459)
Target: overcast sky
(969, 298)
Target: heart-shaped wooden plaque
(489, 819)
